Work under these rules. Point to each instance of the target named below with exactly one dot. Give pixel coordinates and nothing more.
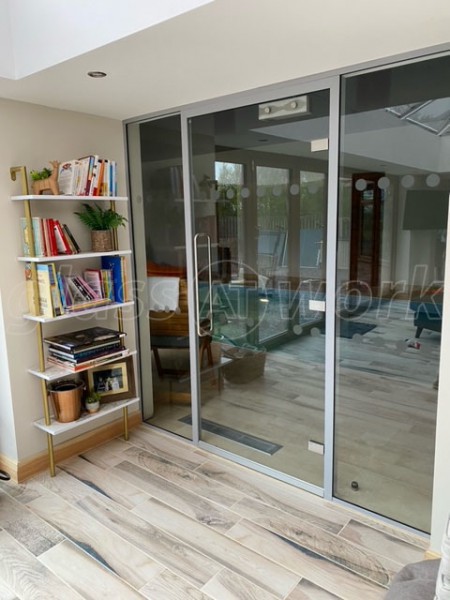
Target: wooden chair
(170, 330)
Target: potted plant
(101, 222)
(46, 181)
(92, 402)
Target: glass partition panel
(156, 161)
(395, 183)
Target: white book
(68, 177)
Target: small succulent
(38, 175)
(93, 398)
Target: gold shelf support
(14, 171)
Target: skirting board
(19, 471)
(431, 555)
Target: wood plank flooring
(384, 420)
(158, 518)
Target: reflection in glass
(391, 254)
(267, 232)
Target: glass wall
(259, 195)
(395, 182)
(161, 182)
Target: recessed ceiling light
(96, 74)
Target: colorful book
(115, 264)
(32, 241)
(43, 275)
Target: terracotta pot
(102, 241)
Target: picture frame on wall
(113, 381)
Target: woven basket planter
(102, 241)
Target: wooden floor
(157, 518)
(384, 419)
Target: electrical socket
(316, 447)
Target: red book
(62, 244)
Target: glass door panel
(159, 228)
(258, 198)
(393, 207)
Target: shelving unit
(49, 373)
(81, 255)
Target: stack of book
(86, 348)
(50, 238)
(88, 176)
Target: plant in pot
(101, 222)
(92, 402)
(46, 181)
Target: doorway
(311, 295)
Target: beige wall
(31, 136)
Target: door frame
(254, 97)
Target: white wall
(8, 446)
(6, 53)
(73, 28)
(32, 135)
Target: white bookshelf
(56, 428)
(80, 255)
(47, 372)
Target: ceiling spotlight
(96, 74)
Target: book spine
(26, 245)
(56, 298)
(61, 241)
(115, 264)
(45, 291)
(39, 248)
(71, 238)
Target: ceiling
(228, 46)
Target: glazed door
(259, 179)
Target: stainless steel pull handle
(200, 332)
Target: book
(84, 337)
(99, 177)
(115, 264)
(95, 362)
(93, 170)
(83, 353)
(38, 234)
(45, 290)
(29, 284)
(83, 172)
(34, 241)
(93, 278)
(68, 177)
(62, 243)
(49, 236)
(70, 238)
(58, 308)
(26, 237)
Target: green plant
(38, 175)
(99, 219)
(93, 398)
